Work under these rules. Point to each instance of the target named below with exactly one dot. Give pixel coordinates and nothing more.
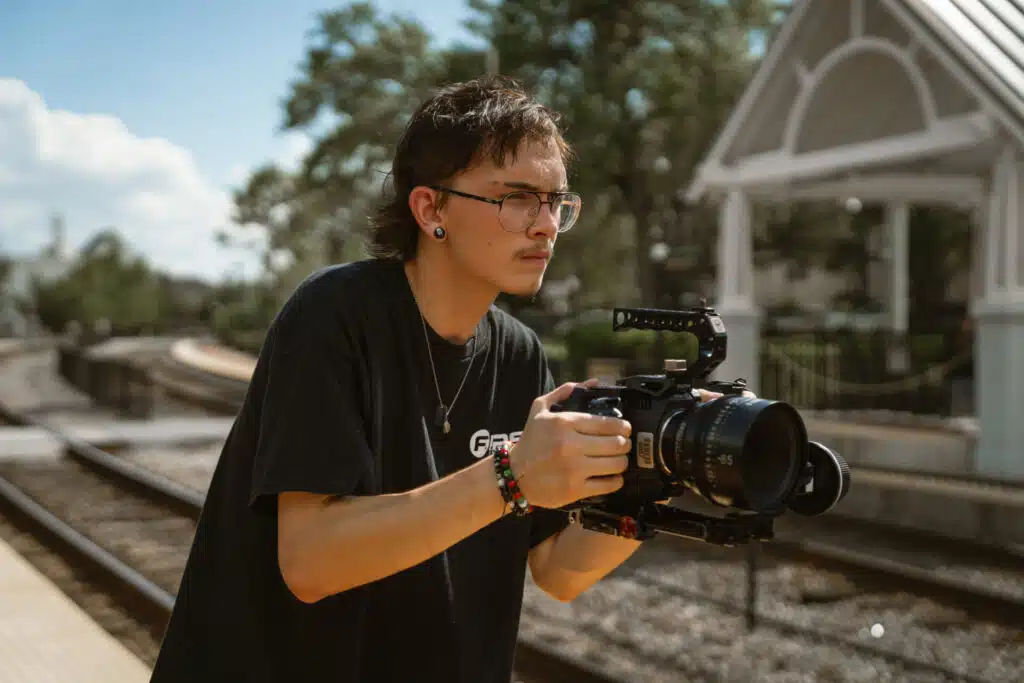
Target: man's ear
(424, 204)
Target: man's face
(494, 248)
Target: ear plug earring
(439, 233)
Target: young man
(354, 529)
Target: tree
(363, 75)
(643, 87)
(109, 283)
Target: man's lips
(536, 256)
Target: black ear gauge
(439, 233)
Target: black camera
(750, 456)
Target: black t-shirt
(342, 401)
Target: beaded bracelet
(507, 482)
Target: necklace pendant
(447, 427)
(441, 417)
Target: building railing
(855, 370)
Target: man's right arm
(313, 459)
(327, 545)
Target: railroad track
(974, 580)
(125, 530)
(869, 569)
(974, 489)
(985, 581)
(817, 566)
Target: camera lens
(736, 451)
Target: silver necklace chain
(443, 411)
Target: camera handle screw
(673, 365)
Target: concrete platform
(46, 638)
(28, 442)
(979, 512)
(898, 447)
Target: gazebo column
(999, 315)
(897, 223)
(897, 227)
(735, 301)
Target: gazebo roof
(891, 97)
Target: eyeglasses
(518, 211)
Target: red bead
(517, 495)
(512, 484)
(627, 527)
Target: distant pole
(752, 550)
(493, 60)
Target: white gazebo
(894, 102)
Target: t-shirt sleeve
(310, 434)
(545, 523)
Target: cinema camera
(750, 456)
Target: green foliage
(643, 88)
(241, 313)
(107, 283)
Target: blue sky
(142, 115)
(206, 76)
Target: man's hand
(563, 457)
(706, 396)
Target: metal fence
(918, 373)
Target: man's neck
(451, 301)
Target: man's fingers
(602, 486)
(706, 395)
(565, 390)
(606, 465)
(559, 394)
(545, 401)
(598, 425)
(601, 445)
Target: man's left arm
(572, 560)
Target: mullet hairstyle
(461, 124)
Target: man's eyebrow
(519, 185)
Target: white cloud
(98, 174)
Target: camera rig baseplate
(656, 518)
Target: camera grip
(594, 402)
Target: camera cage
(702, 322)
(649, 518)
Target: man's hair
(460, 125)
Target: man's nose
(546, 223)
